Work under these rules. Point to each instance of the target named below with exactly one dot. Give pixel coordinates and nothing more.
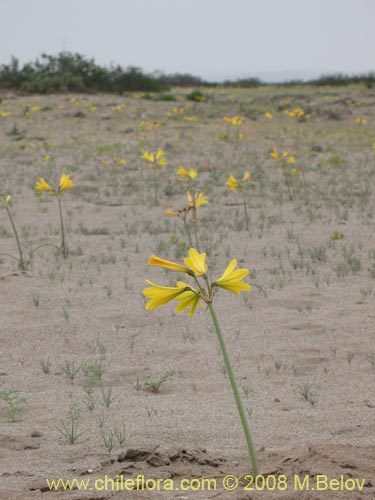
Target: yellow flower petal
(42, 185)
(160, 295)
(188, 298)
(200, 200)
(156, 261)
(246, 176)
(65, 182)
(182, 171)
(232, 279)
(148, 157)
(232, 183)
(196, 262)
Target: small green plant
(101, 348)
(66, 312)
(119, 434)
(14, 401)
(307, 394)
(93, 368)
(349, 357)
(45, 365)
(337, 235)
(90, 402)
(278, 365)
(154, 385)
(70, 369)
(69, 427)
(107, 397)
(6, 203)
(100, 421)
(36, 299)
(107, 440)
(137, 384)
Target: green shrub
(196, 96)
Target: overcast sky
(203, 37)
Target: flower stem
(187, 229)
(245, 211)
(63, 242)
(241, 411)
(22, 261)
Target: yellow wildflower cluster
(297, 113)
(187, 296)
(361, 121)
(233, 183)
(186, 175)
(268, 115)
(283, 157)
(4, 114)
(5, 200)
(118, 107)
(148, 125)
(235, 120)
(194, 202)
(177, 112)
(157, 158)
(65, 183)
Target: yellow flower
(188, 298)
(274, 154)
(8, 199)
(160, 295)
(232, 183)
(159, 154)
(42, 185)
(268, 115)
(294, 171)
(4, 114)
(36, 108)
(47, 157)
(235, 120)
(150, 157)
(231, 279)
(65, 182)
(361, 121)
(192, 173)
(200, 200)
(197, 201)
(196, 262)
(122, 162)
(171, 213)
(284, 157)
(156, 261)
(155, 158)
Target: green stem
(187, 229)
(241, 411)
(245, 211)
(156, 198)
(22, 261)
(63, 242)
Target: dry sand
(306, 321)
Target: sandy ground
(307, 325)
